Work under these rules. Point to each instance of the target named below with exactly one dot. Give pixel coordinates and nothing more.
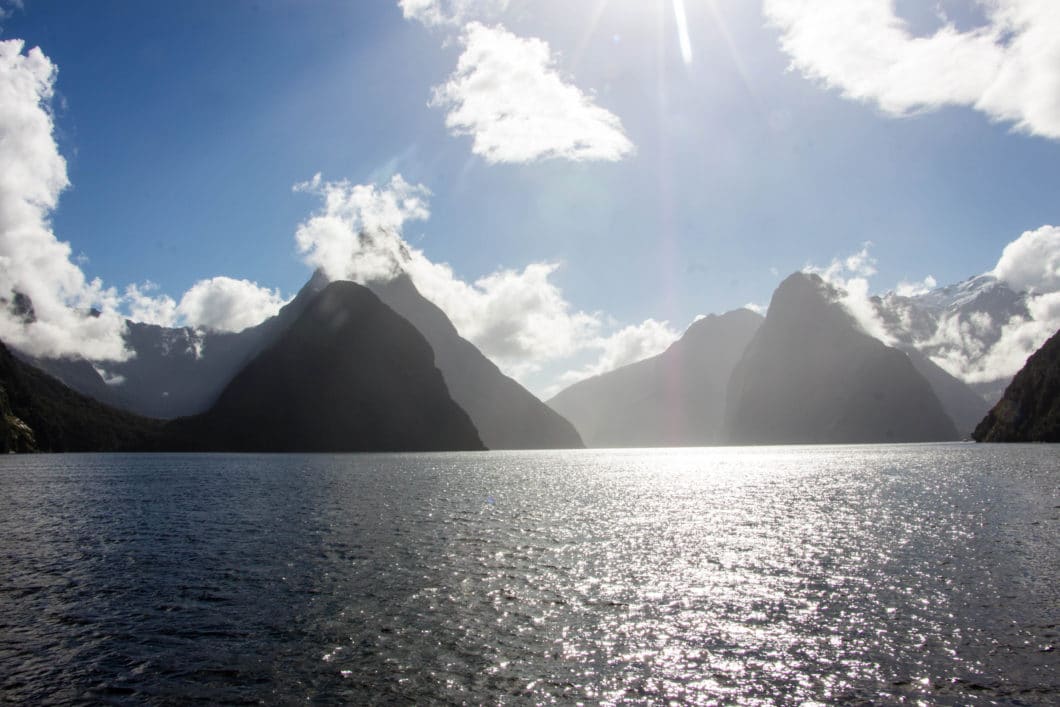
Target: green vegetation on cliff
(39, 413)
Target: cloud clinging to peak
(518, 317)
(509, 97)
(1008, 69)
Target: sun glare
(681, 19)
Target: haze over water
(744, 575)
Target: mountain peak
(810, 375)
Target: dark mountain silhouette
(506, 415)
(39, 413)
(1029, 411)
(348, 374)
(676, 398)
(176, 371)
(810, 375)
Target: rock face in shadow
(676, 398)
(506, 415)
(811, 376)
(348, 374)
(1029, 411)
(39, 413)
(176, 371)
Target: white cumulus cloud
(1032, 261)
(227, 304)
(509, 97)
(1008, 69)
(217, 304)
(70, 314)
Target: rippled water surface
(750, 576)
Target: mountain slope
(39, 413)
(676, 398)
(811, 376)
(506, 415)
(1029, 411)
(348, 375)
(962, 404)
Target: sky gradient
(593, 177)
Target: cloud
(1032, 262)
(517, 317)
(960, 344)
(442, 13)
(1008, 69)
(216, 304)
(974, 345)
(507, 94)
(47, 305)
(850, 276)
(226, 304)
(148, 308)
(978, 349)
(914, 289)
(630, 344)
(357, 235)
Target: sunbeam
(681, 19)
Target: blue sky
(184, 127)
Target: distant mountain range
(181, 372)
(344, 367)
(676, 398)
(806, 373)
(957, 323)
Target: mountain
(348, 374)
(810, 375)
(676, 398)
(39, 413)
(1029, 411)
(506, 415)
(962, 404)
(959, 322)
(175, 371)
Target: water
(750, 576)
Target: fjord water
(744, 575)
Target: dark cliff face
(349, 374)
(1029, 411)
(676, 398)
(39, 413)
(811, 376)
(506, 415)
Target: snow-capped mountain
(979, 330)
